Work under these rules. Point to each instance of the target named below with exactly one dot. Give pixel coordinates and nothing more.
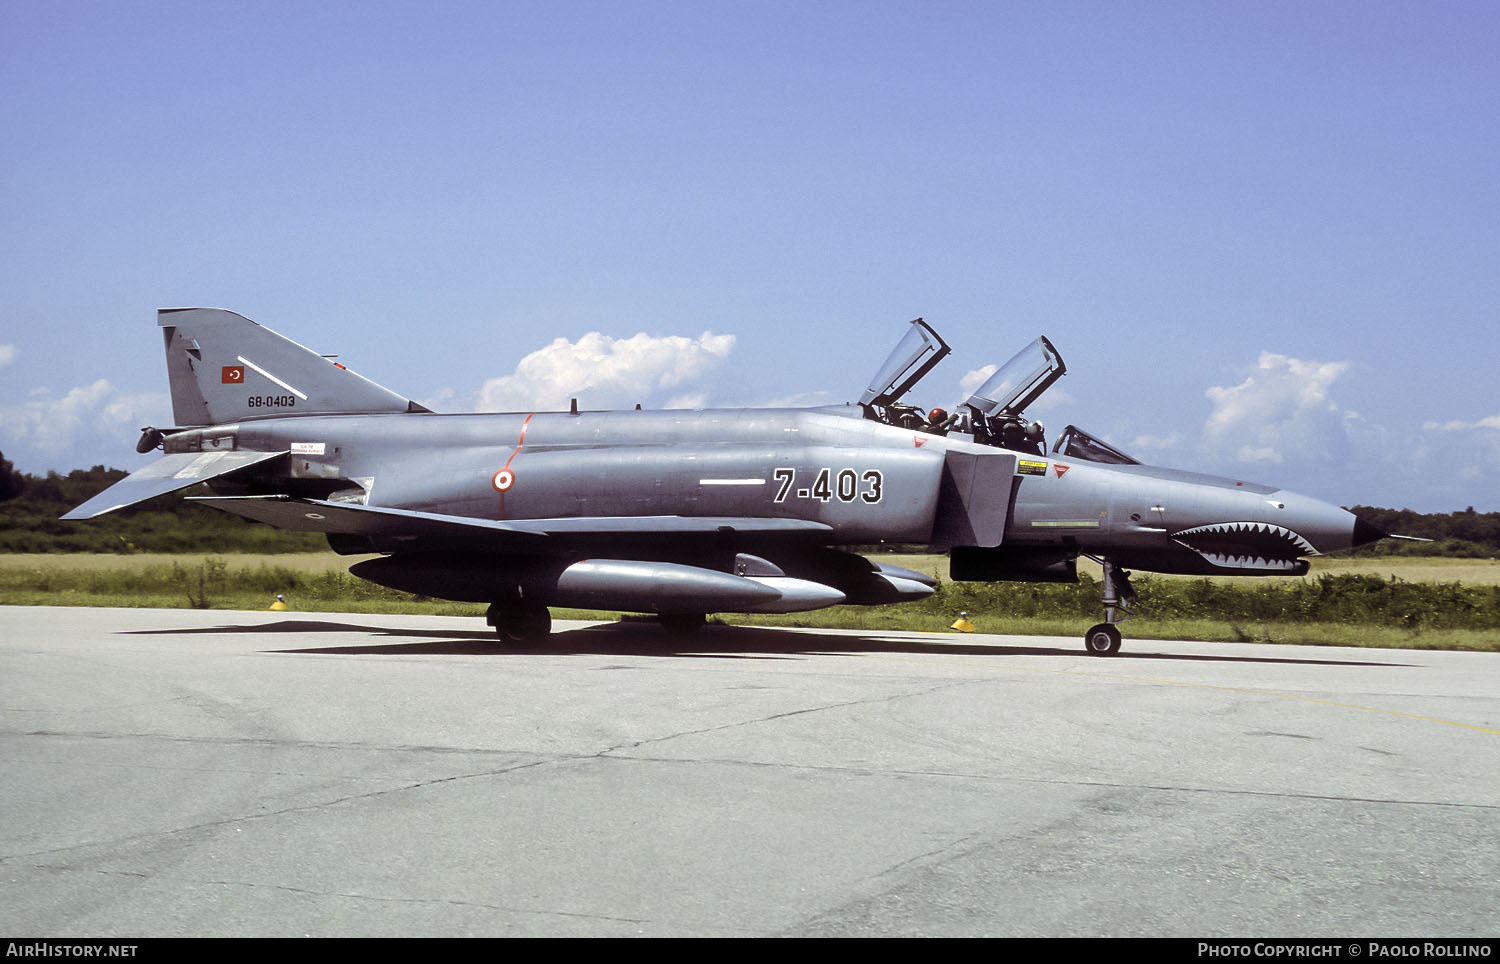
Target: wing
(168, 474)
(407, 525)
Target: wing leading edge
(348, 518)
(168, 474)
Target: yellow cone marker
(962, 624)
(279, 605)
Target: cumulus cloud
(7, 354)
(1281, 412)
(605, 372)
(1284, 424)
(1492, 421)
(1460, 450)
(1050, 400)
(801, 400)
(1155, 442)
(441, 400)
(51, 423)
(974, 379)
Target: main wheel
(520, 621)
(682, 624)
(1102, 640)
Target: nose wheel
(1119, 601)
(1102, 640)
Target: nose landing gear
(1119, 601)
(1102, 640)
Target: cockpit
(914, 356)
(992, 414)
(1075, 443)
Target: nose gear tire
(1102, 640)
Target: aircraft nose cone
(1326, 527)
(1365, 533)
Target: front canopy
(912, 358)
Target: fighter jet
(685, 513)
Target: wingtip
(79, 514)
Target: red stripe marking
(519, 442)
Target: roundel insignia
(503, 480)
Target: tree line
(1465, 533)
(29, 520)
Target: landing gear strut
(519, 621)
(1119, 600)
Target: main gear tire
(520, 622)
(683, 624)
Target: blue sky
(1265, 236)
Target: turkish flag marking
(232, 374)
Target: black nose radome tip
(1364, 532)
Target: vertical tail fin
(224, 367)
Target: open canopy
(1020, 381)
(913, 357)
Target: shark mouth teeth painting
(1247, 545)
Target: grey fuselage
(868, 482)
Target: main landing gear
(682, 624)
(519, 621)
(522, 621)
(1119, 600)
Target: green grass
(317, 583)
(1346, 608)
(322, 560)
(1473, 571)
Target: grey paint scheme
(698, 490)
(202, 343)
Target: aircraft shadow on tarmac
(645, 638)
